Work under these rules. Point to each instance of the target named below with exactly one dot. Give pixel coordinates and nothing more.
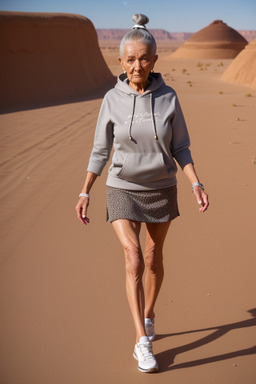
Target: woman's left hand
(201, 197)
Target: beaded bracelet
(197, 184)
(84, 195)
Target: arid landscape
(63, 284)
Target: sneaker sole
(150, 370)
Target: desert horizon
(115, 34)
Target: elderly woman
(142, 119)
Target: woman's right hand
(81, 210)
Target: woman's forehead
(137, 48)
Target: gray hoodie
(147, 132)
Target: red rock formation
(47, 58)
(248, 35)
(159, 34)
(216, 41)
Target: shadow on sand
(96, 94)
(167, 358)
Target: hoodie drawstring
(133, 108)
(152, 114)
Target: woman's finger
(205, 202)
(84, 210)
(78, 211)
(198, 196)
(85, 219)
(202, 199)
(81, 209)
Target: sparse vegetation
(167, 76)
(220, 93)
(202, 66)
(189, 83)
(248, 95)
(184, 71)
(233, 105)
(254, 160)
(220, 64)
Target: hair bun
(140, 19)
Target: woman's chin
(138, 80)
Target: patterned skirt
(154, 206)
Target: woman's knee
(134, 261)
(153, 257)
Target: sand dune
(216, 41)
(243, 69)
(48, 58)
(64, 314)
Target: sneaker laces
(146, 350)
(149, 328)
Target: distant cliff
(161, 34)
(248, 35)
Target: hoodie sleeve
(103, 140)
(180, 138)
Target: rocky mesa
(161, 34)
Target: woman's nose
(137, 64)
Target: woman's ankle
(149, 315)
(139, 336)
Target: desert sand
(243, 69)
(216, 41)
(64, 314)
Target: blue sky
(172, 15)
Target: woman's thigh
(128, 232)
(156, 234)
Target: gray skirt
(154, 206)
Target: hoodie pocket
(146, 167)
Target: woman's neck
(139, 87)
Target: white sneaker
(150, 328)
(144, 354)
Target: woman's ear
(120, 62)
(155, 58)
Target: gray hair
(139, 33)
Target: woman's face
(138, 60)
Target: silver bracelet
(197, 184)
(84, 195)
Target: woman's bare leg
(128, 234)
(153, 257)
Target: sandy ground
(64, 313)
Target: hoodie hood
(156, 82)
